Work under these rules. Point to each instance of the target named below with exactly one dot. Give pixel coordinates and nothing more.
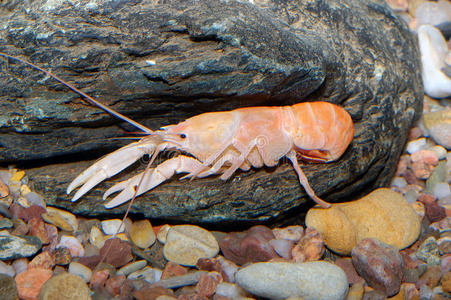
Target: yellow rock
(383, 214)
(61, 218)
(17, 176)
(142, 234)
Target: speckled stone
(15, 246)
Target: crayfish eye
(183, 136)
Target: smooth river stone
(280, 280)
(185, 244)
(383, 214)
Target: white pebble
(20, 265)
(416, 145)
(80, 270)
(73, 244)
(230, 290)
(399, 182)
(151, 275)
(439, 151)
(442, 190)
(229, 268)
(111, 227)
(282, 247)
(411, 196)
(7, 269)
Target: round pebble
(111, 227)
(280, 280)
(142, 234)
(416, 145)
(65, 286)
(185, 244)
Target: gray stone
(280, 280)
(6, 223)
(163, 62)
(429, 251)
(16, 246)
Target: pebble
(29, 283)
(442, 190)
(96, 237)
(62, 256)
(37, 229)
(436, 83)
(383, 214)
(20, 265)
(111, 227)
(381, 265)
(35, 199)
(132, 267)
(429, 252)
(142, 234)
(61, 218)
(12, 246)
(280, 280)
(4, 190)
(438, 124)
(44, 260)
(7, 269)
(356, 292)
(116, 252)
(446, 282)
(231, 290)
(8, 289)
(345, 263)
(292, 233)
(434, 13)
(283, 248)
(207, 284)
(6, 223)
(416, 145)
(150, 275)
(162, 233)
(80, 270)
(73, 244)
(309, 248)
(65, 286)
(185, 244)
(251, 245)
(431, 277)
(172, 270)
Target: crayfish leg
(304, 181)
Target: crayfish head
(201, 135)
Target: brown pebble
(4, 190)
(113, 284)
(212, 264)
(62, 256)
(98, 279)
(435, 212)
(116, 252)
(173, 269)
(20, 227)
(152, 293)
(206, 286)
(43, 260)
(90, 261)
(309, 248)
(37, 229)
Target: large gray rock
(160, 63)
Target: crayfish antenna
(84, 95)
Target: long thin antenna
(86, 96)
